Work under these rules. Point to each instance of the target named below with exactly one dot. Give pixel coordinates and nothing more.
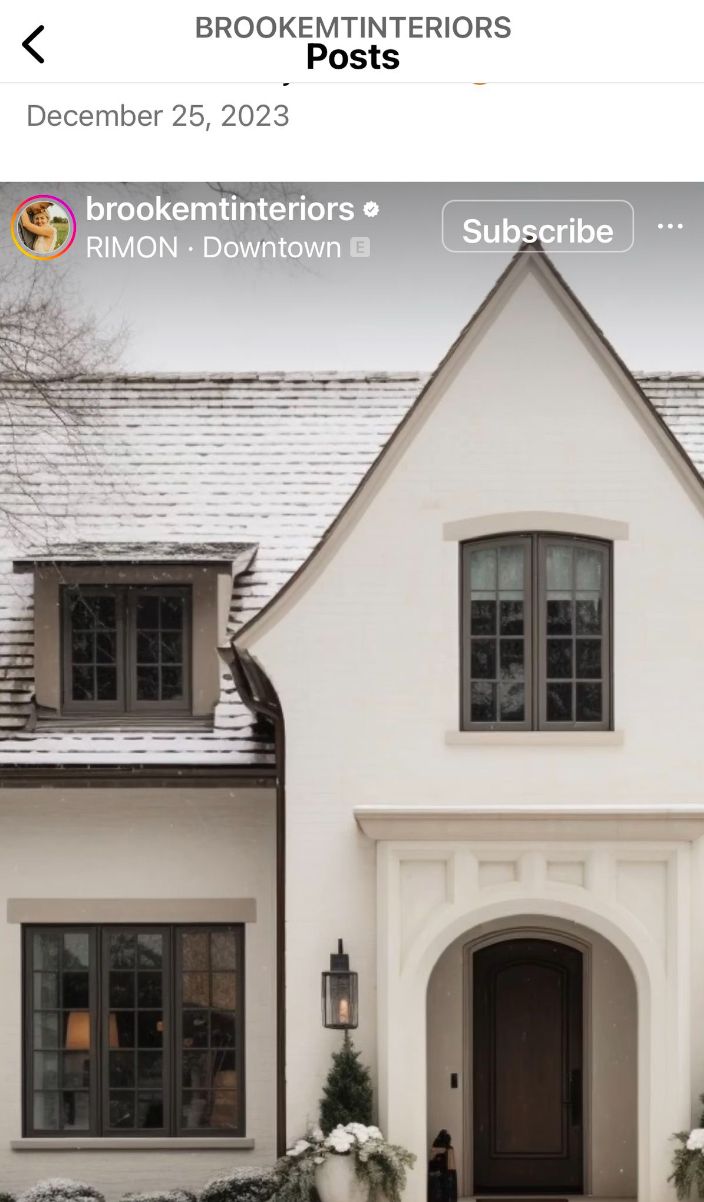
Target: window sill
(534, 738)
(214, 1143)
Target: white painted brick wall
(145, 843)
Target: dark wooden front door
(528, 1068)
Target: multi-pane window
(573, 632)
(207, 1036)
(60, 1075)
(536, 639)
(497, 634)
(126, 649)
(135, 980)
(134, 1030)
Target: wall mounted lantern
(339, 993)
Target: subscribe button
(567, 226)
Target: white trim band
(426, 824)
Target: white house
(442, 702)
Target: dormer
(131, 633)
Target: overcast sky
(399, 309)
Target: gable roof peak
(530, 256)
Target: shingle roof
(679, 399)
(251, 459)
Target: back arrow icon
(30, 49)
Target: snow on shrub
(160, 1195)
(6, 1197)
(60, 1189)
(240, 1185)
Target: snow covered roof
(257, 460)
(124, 552)
(166, 468)
(679, 399)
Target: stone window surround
(99, 1143)
(544, 521)
(66, 910)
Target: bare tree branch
(46, 341)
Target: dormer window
(127, 649)
(536, 633)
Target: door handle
(575, 1095)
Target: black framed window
(536, 633)
(126, 649)
(134, 1030)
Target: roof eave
(74, 775)
(239, 556)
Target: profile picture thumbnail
(43, 227)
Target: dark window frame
(524, 542)
(535, 632)
(127, 702)
(119, 705)
(177, 970)
(28, 1041)
(98, 1053)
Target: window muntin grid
(536, 633)
(112, 1015)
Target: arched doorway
(432, 894)
(533, 1060)
(614, 877)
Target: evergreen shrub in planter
(364, 1166)
(345, 1159)
(688, 1161)
(348, 1096)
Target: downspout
(260, 698)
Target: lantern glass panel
(340, 1003)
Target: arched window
(536, 633)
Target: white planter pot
(336, 1181)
